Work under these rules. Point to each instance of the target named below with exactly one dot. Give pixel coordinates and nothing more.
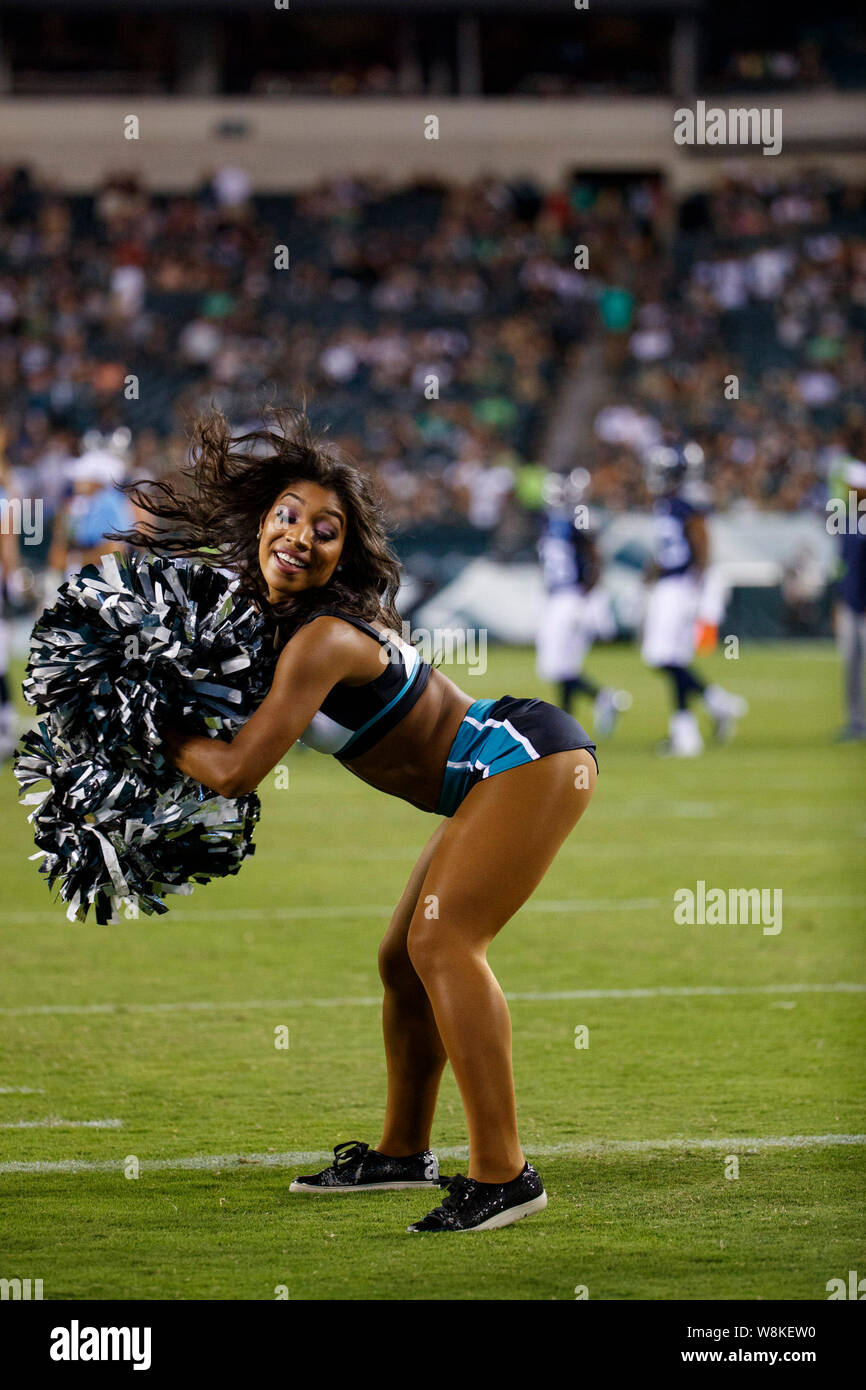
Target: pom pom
(107, 834)
(143, 641)
(136, 644)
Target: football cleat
(725, 710)
(685, 738)
(609, 704)
(358, 1168)
(853, 733)
(665, 748)
(484, 1206)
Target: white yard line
(578, 850)
(374, 1000)
(55, 1122)
(691, 991)
(384, 910)
(21, 1091)
(587, 1148)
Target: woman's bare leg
(491, 856)
(413, 1048)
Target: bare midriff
(409, 761)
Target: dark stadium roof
(397, 7)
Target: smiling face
(302, 540)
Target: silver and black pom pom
(134, 645)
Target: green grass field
(167, 1026)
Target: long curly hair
(214, 511)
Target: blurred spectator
(93, 506)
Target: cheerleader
(510, 778)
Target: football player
(681, 596)
(577, 610)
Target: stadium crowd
(430, 327)
(134, 310)
(750, 340)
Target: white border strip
(371, 1000)
(588, 1148)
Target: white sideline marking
(21, 1091)
(576, 851)
(385, 910)
(369, 1000)
(55, 1122)
(585, 1149)
(691, 991)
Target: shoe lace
(459, 1189)
(348, 1153)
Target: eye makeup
(286, 516)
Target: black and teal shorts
(496, 735)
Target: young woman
(511, 777)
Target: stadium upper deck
(537, 48)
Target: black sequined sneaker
(484, 1206)
(358, 1168)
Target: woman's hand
(173, 741)
(206, 760)
(203, 759)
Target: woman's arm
(312, 662)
